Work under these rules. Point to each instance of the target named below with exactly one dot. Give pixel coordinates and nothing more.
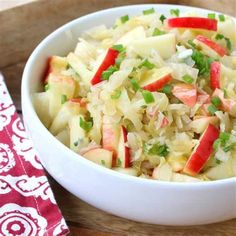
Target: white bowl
(130, 197)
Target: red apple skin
(158, 84)
(186, 93)
(127, 158)
(211, 44)
(202, 152)
(193, 22)
(215, 75)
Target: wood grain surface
(23, 28)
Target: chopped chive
(167, 89)
(227, 148)
(46, 87)
(107, 73)
(103, 162)
(225, 92)
(216, 144)
(224, 136)
(63, 98)
(149, 11)
(119, 162)
(123, 19)
(218, 161)
(219, 36)
(76, 143)
(188, 79)
(162, 18)
(228, 44)
(135, 85)
(146, 64)
(221, 18)
(191, 43)
(118, 47)
(148, 96)
(212, 109)
(211, 15)
(157, 32)
(216, 101)
(85, 125)
(174, 12)
(116, 95)
(157, 149)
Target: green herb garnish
(107, 73)
(149, 11)
(174, 12)
(158, 32)
(160, 150)
(103, 162)
(167, 89)
(146, 64)
(116, 95)
(119, 162)
(85, 125)
(63, 98)
(211, 15)
(148, 96)
(216, 101)
(191, 43)
(134, 84)
(162, 18)
(76, 143)
(212, 109)
(46, 87)
(216, 144)
(123, 19)
(187, 79)
(228, 44)
(119, 47)
(221, 18)
(219, 36)
(218, 161)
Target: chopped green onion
(167, 89)
(228, 148)
(225, 92)
(216, 144)
(228, 44)
(149, 11)
(116, 95)
(123, 19)
(148, 96)
(146, 64)
(76, 143)
(118, 47)
(191, 43)
(162, 18)
(218, 161)
(63, 98)
(188, 79)
(86, 125)
(174, 12)
(107, 73)
(221, 18)
(160, 150)
(212, 109)
(224, 137)
(46, 87)
(211, 15)
(216, 101)
(135, 85)
(219, 36)
(103, 162)
(119, 162)
(157, 32)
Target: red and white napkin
(27, 204)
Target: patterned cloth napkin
(27, 204)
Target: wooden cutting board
(21, 29)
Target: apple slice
(155, 79)
(110, 136)
(215, 75)
(164, 44)
(199, 125)
(55, 65)
(193, 22)
(123, 151)
(202, 151)
(202, 40)
(176, 177)
(186, 93)
(100, 156)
